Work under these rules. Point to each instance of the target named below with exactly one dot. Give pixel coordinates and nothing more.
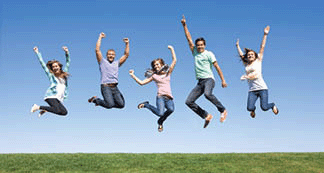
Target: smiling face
(56, 68)
(111, 55)
(251, 56)
(157, 65)
(200, 46)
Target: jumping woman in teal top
(57, 91)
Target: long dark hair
(244, 57)
(62, 74)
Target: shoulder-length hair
(161, 62)
(244, 57)
(62, 74)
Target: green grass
(231, 162)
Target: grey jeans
(204, 86)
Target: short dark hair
(200, 39)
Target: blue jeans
(204, 86)
(252, 98)
(161, 103)
(112, 98)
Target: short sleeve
(211, 57)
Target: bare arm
(98, 52)
(187, 33)
(174, 59)
(141, 82)
(266, 32)
(220, 73)
(126, 52)
(239, 50)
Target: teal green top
(52, 89)
(203, 64)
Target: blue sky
(292, 68)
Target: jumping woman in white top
(253, 68)
(57, 91)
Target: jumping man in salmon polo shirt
(112, 97)
(204, 61)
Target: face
(200, 46)
(111, 55)
(157, 65)
(56, 68)
(251, 56)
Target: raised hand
(170, 47)
(131, 72)
(266, 30)
(126, 40)
(237, 42)
(65, 49)
(102, 35)
(183, 20)
(35, 49)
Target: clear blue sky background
(292, 68)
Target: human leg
(209, 85)
(169, 105)
(159, 109)
(192, 97)
(55, 107)
(264, 100)
(252, 98)
(108, 101)
(118, 98)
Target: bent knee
(63, 113)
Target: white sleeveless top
(255, 68)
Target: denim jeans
(112, 98)
(204, 86)
(55, 107)
(252, 98)
(161, 103)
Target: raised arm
(174, 59)
(187, 33)
(266, 32)
(126, 52)
(220, 73)
(141, 82)
(41, 61)
(239, 50)
(98, 52)
(67, 57)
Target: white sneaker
(34, 108)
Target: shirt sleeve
(211, 57)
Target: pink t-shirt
(163, 84)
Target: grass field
(119, 162)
